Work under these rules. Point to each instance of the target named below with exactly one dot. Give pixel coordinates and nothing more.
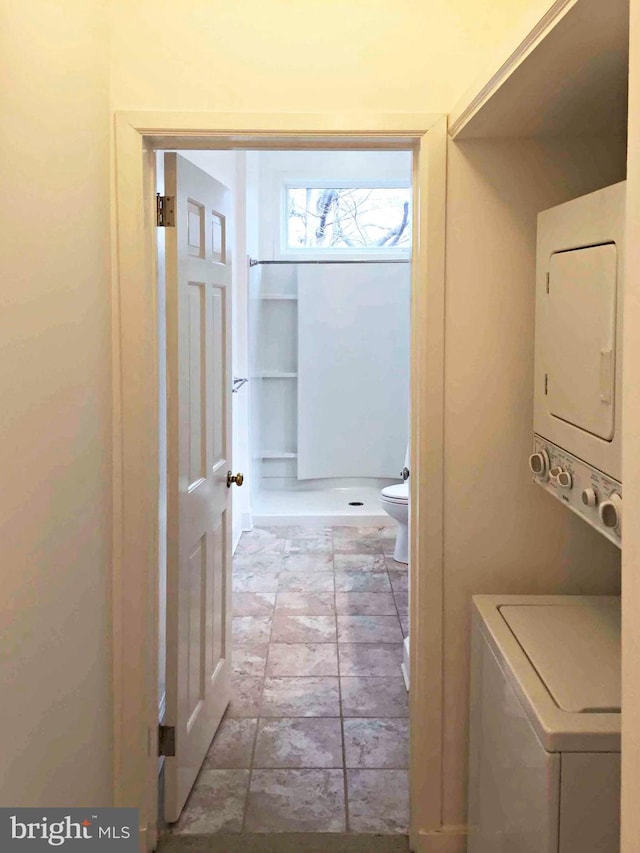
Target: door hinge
(167, 740)
(546, 383)
(547, 282)
(165, 211)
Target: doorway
(139, 402)
(320, 579)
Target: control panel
(588, 492)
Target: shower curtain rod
(253, 262)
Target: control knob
(590, 497)
(565, 480)
(539, 463)
(611, 511)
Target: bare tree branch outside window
(348, 218)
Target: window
(348, 219)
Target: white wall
(55, 428)
(502, 533)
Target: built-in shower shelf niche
(275, 374)
(277, 469)
(279, 297)
(277, 337)
(277, 430)
(275, 371)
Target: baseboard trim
(451, 839)
(284, 842)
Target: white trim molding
(136, 469)
(426, 547)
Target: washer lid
(574, 649)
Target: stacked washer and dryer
(578, 346)
(544, 765)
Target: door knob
(238, 479)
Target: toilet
(394, 500)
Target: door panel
(197, 371)
(218, 423)
(580, 337)
(197, 578)
(198, 455)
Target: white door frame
(135, 402)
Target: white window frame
(314, 253)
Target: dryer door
(580, 336)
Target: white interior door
(198, 276)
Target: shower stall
(329, 385)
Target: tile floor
(316, 736)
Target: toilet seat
(397, 494)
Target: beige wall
(631, 467)
(306, 56)
(502, 533)
(55, 386)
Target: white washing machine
(544, 772)
(578, 356)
